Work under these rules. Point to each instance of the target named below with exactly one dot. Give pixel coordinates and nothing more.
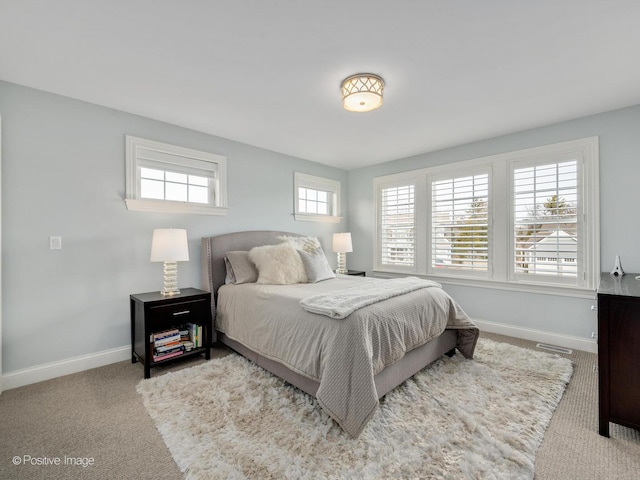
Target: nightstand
(153, 314)
(357, 273)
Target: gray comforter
(343, 355)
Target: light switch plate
(55, 243)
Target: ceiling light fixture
(362, 92)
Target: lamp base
(342, 263)
(170, 279)
(169, 293)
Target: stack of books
(167, 344)
(195, 334)
(176, 341)
(185, 339)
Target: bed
(346, 363)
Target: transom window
(316, 198)
(314, 201)
(168, 178)
(525, 220)
(174, 186)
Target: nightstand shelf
(152, 313)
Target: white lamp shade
(342, 243)
(169, 245)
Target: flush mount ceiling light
(362, 92)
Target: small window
(172, 179)
(316, 199)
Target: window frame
(501, 268)
(179, 160)
(313, 182)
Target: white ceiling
(267, 73)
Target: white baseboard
(567, 341)
(47, 371)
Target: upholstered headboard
(215, 248)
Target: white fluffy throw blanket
(341, 303)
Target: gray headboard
(215, 248)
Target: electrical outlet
(594, 335)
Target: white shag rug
(456, 419)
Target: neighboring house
(442, 252)
(554, 254)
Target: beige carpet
(97, 413)
(456, 419)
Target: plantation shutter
(546, 234)
(460, 224)
(397, 226)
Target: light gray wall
(619, 133)
(63, 173)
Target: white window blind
(546, 227)
(397, 226)
(460, 224)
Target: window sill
(309, 217)
(557, 290)
(172, 207)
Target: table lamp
(342, 245)
(170, 246)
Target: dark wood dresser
(619, 351)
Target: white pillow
(278, 264)
(316, 266)
(307, 244)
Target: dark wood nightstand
(357, 273)
(152, 313)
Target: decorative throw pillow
(307, 244)
(278, 264)
(243, 269)
(316, 266)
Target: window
(397, 226)
(316, 198)
(172, 179)
(545, 211)
(525, 220)
(460, 224)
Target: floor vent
(554, 348)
